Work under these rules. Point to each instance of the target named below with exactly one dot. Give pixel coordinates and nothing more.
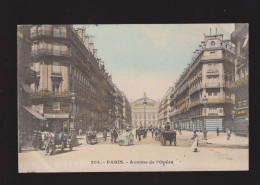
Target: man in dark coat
(217, 131)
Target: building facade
(118, 108)
(127, 112)
(73, 89)
(145, 112)
(202, 98)
(240, 38)
(165, 108)
(28, 119)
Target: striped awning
(34, 113)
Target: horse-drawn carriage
(125, 138)
(142, 132)
(91, 137)
(158, 134)
(61, 140)
(168, 135)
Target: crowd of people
(40, 138)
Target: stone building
(28, 119)
(240, 38)
(145, 112)
(127, 113)
(165, 108)
(72, 89)
(202, 98)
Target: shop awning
(34, 113)
(26, 88)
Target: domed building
(145, 112)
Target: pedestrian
(152, 132)
(194, 142)
(136, 133)
(167, 126)
(105, 134)
(180, 131)
(217, 131)
(228, 134)
(205, 134)
(80, 132)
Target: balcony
(213, 72)
(49, 110)
(52, 94)
(49, 33)
(224, 100)
(212, 85)
(41, 33)
(194, 89)
(50, 52)
(194, 103)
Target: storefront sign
(56, 115)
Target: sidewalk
(220, 141)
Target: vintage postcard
(133, 97)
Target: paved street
(216, 153)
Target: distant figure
(228, 133)
(136, 133)
(167, 126)
(80, 132)
(152, 132)
(217, 131)
(180, 131)
(194, 142)
(105, 134)
(205, 134)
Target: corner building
(202, 97)
(72, 88)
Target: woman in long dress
(194, 142)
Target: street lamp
(145, 103)
(73, 97)
(204, 101)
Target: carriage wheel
(121, 142)
(62, 146)
(130, 142)
(52, 149)
(47, 149)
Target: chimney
(86, 41)
(91, 47)
(81, 33)
(95, 53)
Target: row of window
(49, 46)
(56, 31)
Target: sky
(149, 57)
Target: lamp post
(73, 97)
(145, 103)
(204, 101)
(234, 110)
